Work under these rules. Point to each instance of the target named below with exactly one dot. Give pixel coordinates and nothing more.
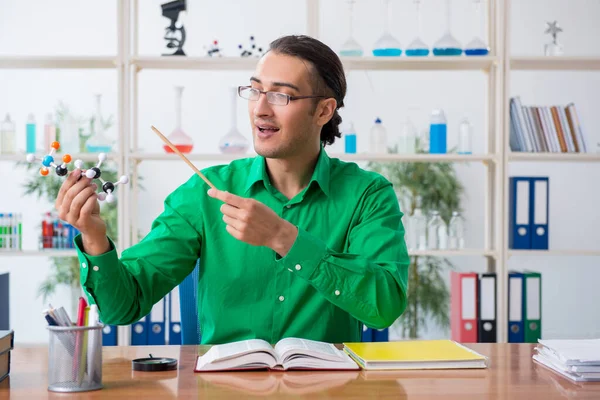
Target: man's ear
(325, 110)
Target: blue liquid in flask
(417, 52)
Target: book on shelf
(576, 360)
(288, 353)
(7, 343)
(545, 129)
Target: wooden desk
(512, 375)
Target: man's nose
(262, 106)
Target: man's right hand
(77, 204)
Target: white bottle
(465, 137)
(408, 137)
(437, 236)
(7, 136)
(378, 138)
(456, 231)
(418, 229)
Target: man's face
(283, 131)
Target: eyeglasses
(275, 98)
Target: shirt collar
(321, 174)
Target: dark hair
(329, 78)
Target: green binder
(533, 306)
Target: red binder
(463, 310)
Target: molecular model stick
(48, 161)
(107, 187)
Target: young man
(292, 244)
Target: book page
(235, 349)
(290, 347)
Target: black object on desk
(154, 364)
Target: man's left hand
(253, 222)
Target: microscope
(171, 10)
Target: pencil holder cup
(75, 358)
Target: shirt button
(281, 298)
(337, 292)
(288, 206)
(95, 268)
(298, 267)
(83, 265)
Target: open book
(289, 353)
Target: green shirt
(348, 265)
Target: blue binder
(109, 335)
(367, 334)
(519, 213)
(516, 307)
(174, 317)
(156, 324)
(381, 335)
(539, 212)
(139, 333)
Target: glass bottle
(417, 48)
(387, 45)
(30, 147)
(477, 46)
(378, 138)
(7, 136)
(437, 235)
(418, 227)
(456, 231)
(233, 142)
(408, 137)
(437, 132)
(350, 140)
(178, 137)
(49, 131)
(447, 45)
(465, 137)
(98, 142)
(351, 48)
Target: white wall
(73, 27)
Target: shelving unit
(526, 63)
(496, 158)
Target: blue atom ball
(47, 161)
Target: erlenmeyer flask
(351, 48)
(178, 137)
(417, 47)
(387, 45)
(233, 142)
(98, 142)
(477, 46)
(447, 45)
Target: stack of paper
(577, 360)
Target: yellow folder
(415, 354)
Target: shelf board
(57, 62)
(78, 156)
(571, 157)
(555, 63)
(552, 252)
(451, 253)
(345, 157)
(350, 63)
(38, 253)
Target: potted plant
(65, 270)
(438, 188)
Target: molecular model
(253, 51)
(48, 161)
(107, 187)
(213, 50)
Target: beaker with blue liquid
(447, 45)
(417, 48)
(351, 48)
(477, 46)
(387, 45)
